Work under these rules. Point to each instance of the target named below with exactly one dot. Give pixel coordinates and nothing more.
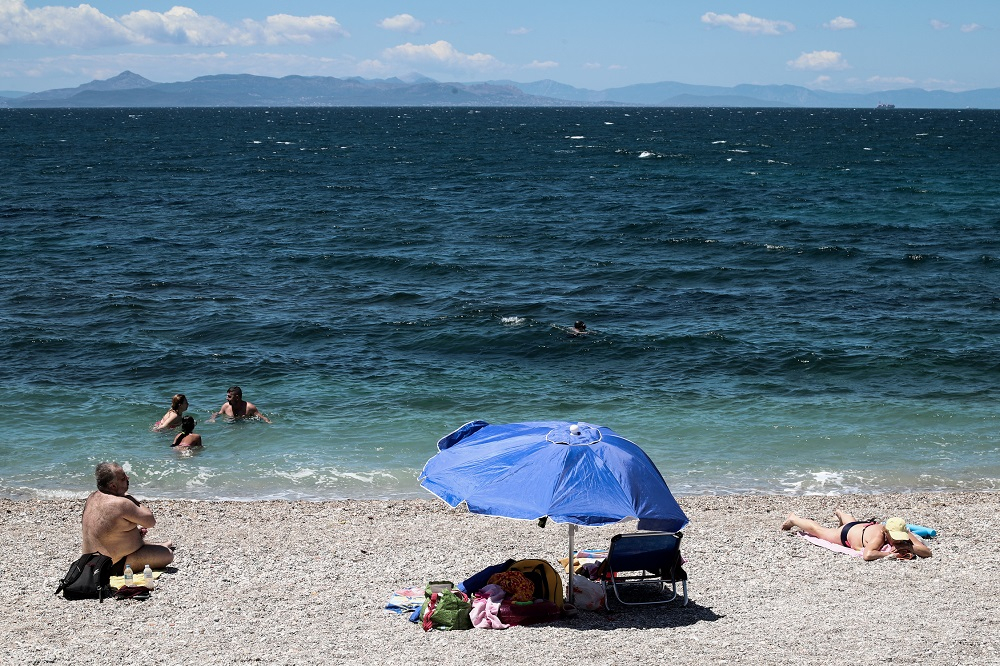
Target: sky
(849, 46)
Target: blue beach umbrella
(576, 473)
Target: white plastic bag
(587, 594)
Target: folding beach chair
(644, 558)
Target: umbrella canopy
(576, 473)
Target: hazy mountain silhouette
(225, 90)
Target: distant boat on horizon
(884, 105)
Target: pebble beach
(307, 582)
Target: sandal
(136, 592)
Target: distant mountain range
(229, 90)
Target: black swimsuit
(847, 528)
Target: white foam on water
(294, 474)
(818, 483)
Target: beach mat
(138, 579)
(405, 600)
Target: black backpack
(88, 578)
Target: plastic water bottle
(147, 577)
(128, 574)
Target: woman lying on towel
(868, 536)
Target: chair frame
(659, 565)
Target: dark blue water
(786, 301)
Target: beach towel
(405, 600)
(835, 547)
(486, 608)
(138, 580)
(584, 557)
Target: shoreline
(418, 493)
(283, 581)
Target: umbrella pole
(569, 566)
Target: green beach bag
(445, 608)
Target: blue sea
(786, 301)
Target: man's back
(110, 525)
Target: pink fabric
(486, 607)
(835, 547)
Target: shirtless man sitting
(865, 535)
(236, 407)
(114, 524)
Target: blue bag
(476, 582)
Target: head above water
(580, 326)
(234, 393)
(177, 401)
(187, 425)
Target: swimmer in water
(172, 418)
(187, 437)
(236, 407)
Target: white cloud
(519, 31)
(401, 23)
(373, 68)
(747, 23)
(180, 25)
(282, 28)
(942, 84)
(440, 53)
(971, 27)
(85, 27)
(890, 80)
(595, 66)
(939, 25)
(537, 64)
(841, 23)
(60, 26)
(819, 60)
(174, 67)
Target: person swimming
(236, 407)
(173, 417)
(579, 328)
(187, 437)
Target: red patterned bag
(515, 584)
(515, 613)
